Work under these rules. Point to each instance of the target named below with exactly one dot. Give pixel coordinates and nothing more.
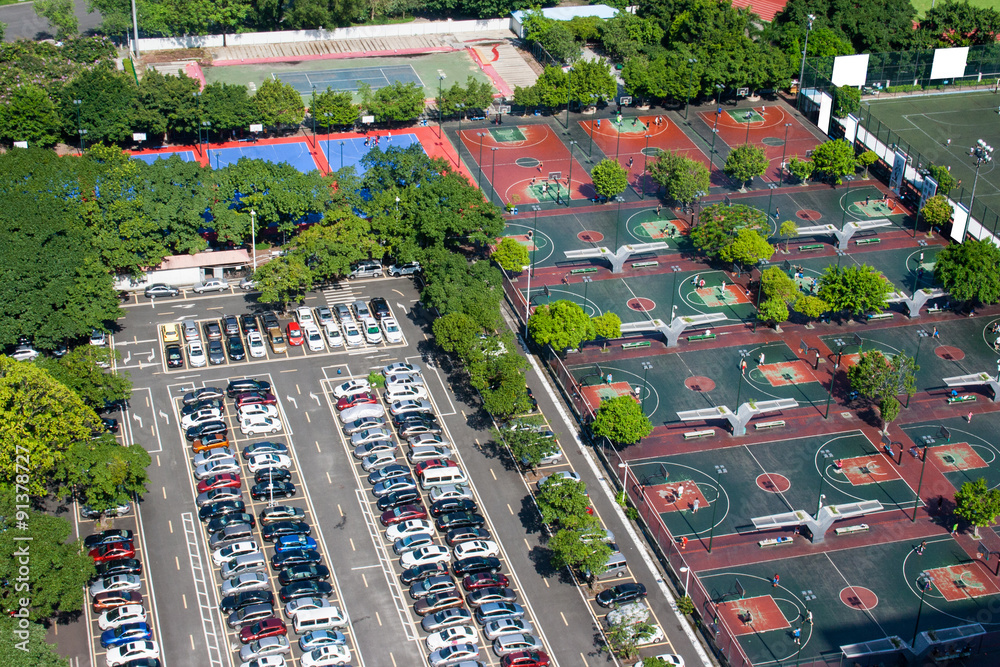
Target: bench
(850, 530)
(704, 433)
(636, 344)
(774, 541)
(808, 248)
(967, 398)
(867, 241)
(589, 269)
(704, 336)
(934, 309)
(880, 316)
(644, 265)
(777, 423)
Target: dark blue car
(129, 632)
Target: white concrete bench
(850, 530)
(777, 423)
(704, 433)
(774, 541)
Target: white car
(119, 616)
(351, 387)
(407, 406)
(372, 333)
(672, 659)
(408, 528)
(250, 581)
(304, 316)
(230, 552)
(120, 655)
(301, 604)
(196, 354)
(257, 409)
(200, 417)
(118, 582)
(559, 477)
(275, 645)
(402, 393)
(261, 461)
(449, 492)
(314, 339)
(507, 626)
(333, 336)
(326, 656)
(459, 634)
(219, 467)
(255, 343)
(25, 353)
(403, 379)
(268, 661)
(400, 367)
(353, 335)
(98, 337)
(393, 333)
(210, 285)
(484, 548)
(431, 554)
(259, 424)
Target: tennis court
(349, 79)
(296, 154)
(347, 152)
(150, 158)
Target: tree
(889, 409)
(104, 473)
(868, 158)
(811, 306)
(772, 311)
(607, 325)
(227, 106)
(846, 100)
(330, 248)
(978, 504)
(969, 270)
(872, 26)
(744, 162)
(591, 81)
(498, 375)
(511, 255)
(573, 549)
(563, 502)
(526, 446)
(876, 376)
(856, 289)
(624, 638)
(334, 108)
(747, 248)
(800, 169)
(29, 115)
(945, 181)
(396, 102)
(952, 24)
(610, 178)
(937, 211)
(59, 569)
(474, 96)
(562, 324)
(107, 99)
(625, 35)
(60, 14)
(82, 370)
(789, 230)
(458, 334)
(621, 420)
(717, 224)
(27, 645)
(685, 179)
(834, 159)
(277, 103)
(775, 283)
(554, 36)
(283, 279)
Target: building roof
(766, 9)
(203, 259)
(566, 13)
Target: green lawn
(923, 5)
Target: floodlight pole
(493, 182)
(784, 146)
(569, 183)
(687, 101)
(645, 165)
(673, 290)
(802, 71)
(341, 154)
(924, 582)
(720, 470)
(983, 152)
(253, 236)
(715, 133)
(479, 181)
(843, 216)
(439, 100)
(586, 283)
(739, 390)
(645, 387)
(920, 485)
(79, 127)
(618, 221)
(569, 94)
(531, 271)
(312, 114)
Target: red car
(268, 627)
(112, 551)
(525, 659)
(294, 333)
(224, 481)
(484, 580)
(401, 514)
(356, 399)
(431, 464)
(256, 398)
(112, 599)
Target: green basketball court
(507, 134)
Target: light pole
(618, 143)
(843, 216)
(341, 154)
(493, 182)
(569, 183)
(460, 108)
(826, 454)
(253, 236)
(312, 114)
(586, 283)
(83, 133)
(772, 187)
(329, 124)
(645, 387)
(531, 270)
(645, 165)
(441, 77)
(590, 148)
(618, 221)
(983, 152)
(920, 484)
(802, 71)
(687, 101)
(739, 389)
(479, 181)
(720, 470)
(748, 116)
(784, 146)
(208, 144)
(686, 571)
(715, 133)
(673, 290)
(569, 94)
(79, 127)
(924, 584)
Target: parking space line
(201, 591)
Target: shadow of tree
(531, 520)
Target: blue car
(293, 542)
(129, 632)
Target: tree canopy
(855, 289)
(610, 178)
(877, 376)
(834, 159)
(978, 504)
(561, 324)
(684, 178)
(718, 223)
(969, 270)
(745, 162)
(621, 420)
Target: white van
(441, 476)
(363, 410)
(323, 618)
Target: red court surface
(767, 131)
(956, 456)
(594, 394)
(752, 615)
(958, 582)
(862, 470)
(675, 497)
(632, 142)
(718, 296)
(786, 373)
(519, 168)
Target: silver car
(226, 465)
(250, 581)
(517, 642)
(119, 582)
(277, 645)
(210, 285)
(508, 626)
(343, 313)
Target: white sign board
(898, 168)
(949, 63)
(20, 144)
(138, 136)
(256, 127)
(928, 190)
(368, 119)
(850, 70)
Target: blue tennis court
(353, 150)
(296, 154)
(348, 79)
(150, 158)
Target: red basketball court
(752, 615)
(955, 457)
(596, 393)
(959, 582)
(872, 469)
(786, 373)
(675, 497)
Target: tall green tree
(835, 159)
(591, 81)
(511, 255)
(610, 178)
(978, 504)
(561, 324)
(877, 376)
(748, 247)
(683, 178)
(397, 102)
(745, 162)
(621, 420)
(718, 223)
(84, 370)
(551, 89)
(458, 334)
(27, 644)
(951, 24)
(937, 211)
(334, 108)
(855, 289)
(943, 177)
(871, 26)
(107, 103)
(283, 280)
(563, 502)
(227, 106)
(607, 325)
(104, 473)
(332, 246)
(626, 35)
(969, 270)
(573, 549)
(498, 376)
(60, 14)
(277, 103)
(167, 103)
(29, 115)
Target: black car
(216, 353)
(202, 394)
(212, 330)
(175, 358)
(269, 321)
(212, 510)
(459, 535)
(281, 513)
(305, 589)
(208, 428)
(110, 425)
(621, 594)
(160, 290)
(379, 308)
(459, 520)
(235, 349)
(304, 572)
(248, 323)
(388, 472)
(475, 565)
(220, 522)
(273, 531)
(421, 572)
(245, 599)
(268, 490)
(207, 404)
(271, 475)
(118, 566)
(295, 557)
(398, 499)
(452, 505)
(264, 447)
(237, 387)
(414, 418)
(106, 537)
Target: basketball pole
(924, 582)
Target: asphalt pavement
(23, 23)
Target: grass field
(923, 5)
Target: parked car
(483, 596)
(393, 333)
(621, 594)
(314, 339)
(255, 343)
(318, 638)
(277, 513)
(133, 653)
(421, 572)
(196, 354)
(408, 269)
(252, 397)
(111, 599)
(119, 566)
(435, 603)
(454, 655)
(509, 626)
(269, 627)
(238, 601)
(245, 385)
(107, 537)
(248, 323)
(333, 336)
(160, 290)
(235, 348)
(210, 285)
(446, 619)
(353, 334)
(272, 490)
(203, 394)
(302, 589)
(175, 359)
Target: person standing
(695, 506)
(921, 547)
(760, 359)
(797, 635)
(954, 530)
(774, 580)
(684, 542)
(809, 616)
(969, 417)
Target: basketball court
(297, 154)
(151, 157)
(968, 451)
(348, 152)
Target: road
(23, 23)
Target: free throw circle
(589, 236)
(949, 352)
(641, 304)
(699, 383)
(859, 597)
(772, 482)
(808, 214)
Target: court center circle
(527, 162)
(641, 304)
(651, 152)
(949, 352)
(699, 383)
(589, 236)
(772, 482)
(773, 141)
(808, 214)
(859, 598)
